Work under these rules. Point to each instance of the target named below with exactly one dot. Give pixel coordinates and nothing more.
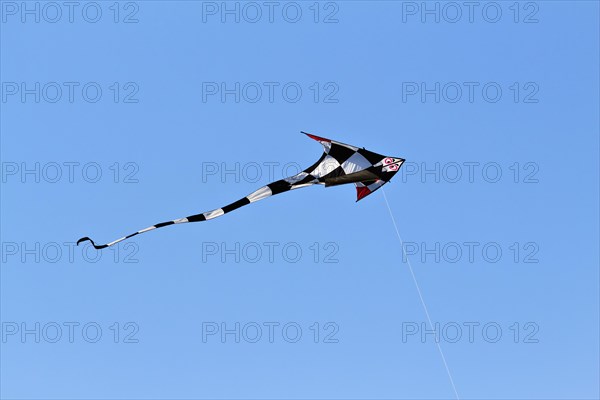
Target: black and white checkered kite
(340, 164)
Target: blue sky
(116, 117)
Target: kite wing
(363, 189)
(339, 164)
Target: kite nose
(392, 164)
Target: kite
(339, 164)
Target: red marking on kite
(361, 192)
(317, 138)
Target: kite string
(419, 291)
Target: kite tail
(262, 193)
(102, 246)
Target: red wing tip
(362, 192)
(317, 138)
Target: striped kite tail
(150, 228)
(260, 194)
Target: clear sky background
(522, 323)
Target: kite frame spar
(339, 164)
